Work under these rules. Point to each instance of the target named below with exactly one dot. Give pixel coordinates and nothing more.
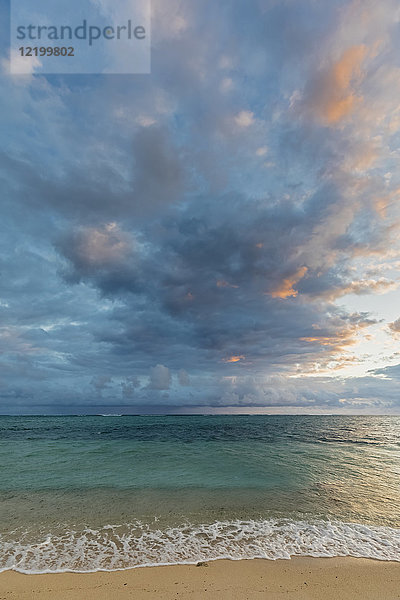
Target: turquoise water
(87, 493)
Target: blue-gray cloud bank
(198, 239)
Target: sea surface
(112, 492)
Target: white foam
(121, 547)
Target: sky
(220, 235)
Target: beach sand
(298, 578)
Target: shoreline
(298, 578)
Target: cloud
(20, 65)
(160, 378)
(244, 118)
(97, 247)
(158, 173)
(332, 95)
(183, 377)
(364, 286)
(142, 226)
(285, 288)
(262, 151)
(129, 385)
(234, 359)
(101, 382)
(395, 326)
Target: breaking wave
(115, 547)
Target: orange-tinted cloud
(337, 336)
(336, 341)
(333, 96)
(234, 359)
(382, 203)
(363, 156)
(285, 289)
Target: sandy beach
(297, 579)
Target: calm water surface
(83, 493)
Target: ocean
(113, 492)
